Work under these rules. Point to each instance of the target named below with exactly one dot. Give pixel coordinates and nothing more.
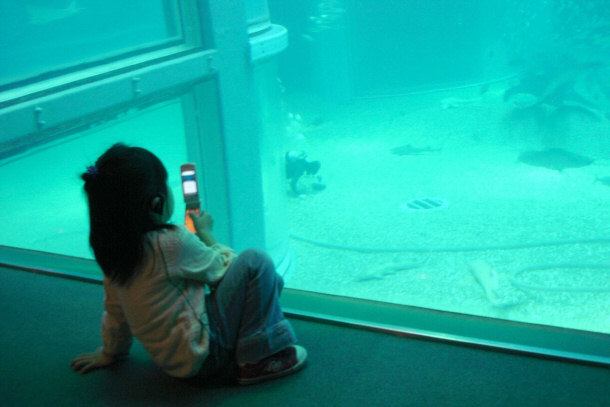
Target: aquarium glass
(46, 37)
(450, 155)
(464, 154)
(273, 148)
(44, 205)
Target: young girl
(155, 278)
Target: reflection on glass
(463, 150)
(39, 36)
(42, 194)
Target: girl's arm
(203, 225)
(206, 264)
(116, 335)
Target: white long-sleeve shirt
(164, 305)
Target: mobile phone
(190, 191)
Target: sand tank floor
(494, 202)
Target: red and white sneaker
(285, 362)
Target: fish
(455, 102)
(562, 87)
(489, 280)
(554, 159)
(408, 149)
(388, 269)
(498, 294)
(487, 277)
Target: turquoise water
(37, 36)
(462, 90)
(401, 102)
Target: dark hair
(120, 190)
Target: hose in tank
(515, 279)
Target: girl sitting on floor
(155, 279)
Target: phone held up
(190, 191)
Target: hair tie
(92, 170)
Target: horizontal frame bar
(409, 321)
(84, 97)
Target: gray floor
(46, 321)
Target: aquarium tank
(431, 154)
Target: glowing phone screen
(189, 184)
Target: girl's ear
(157, 204)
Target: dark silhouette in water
(554, 159)
(408, 149)
(297, 165)
(562, 86)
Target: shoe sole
(301, 352)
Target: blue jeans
(246, 321)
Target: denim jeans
(246, 321)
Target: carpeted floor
(46, 321)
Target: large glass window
(463, 150)
(48, 36)
(76, 77)
(42, 195)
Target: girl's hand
(202, 222)
(203, 225)
(89, 361)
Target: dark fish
(408, 149)
(384, 270)
(554, 159)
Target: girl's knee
(254, 256)
(258, 261)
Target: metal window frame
(40, 111)
(36, 117)
(65, 102)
